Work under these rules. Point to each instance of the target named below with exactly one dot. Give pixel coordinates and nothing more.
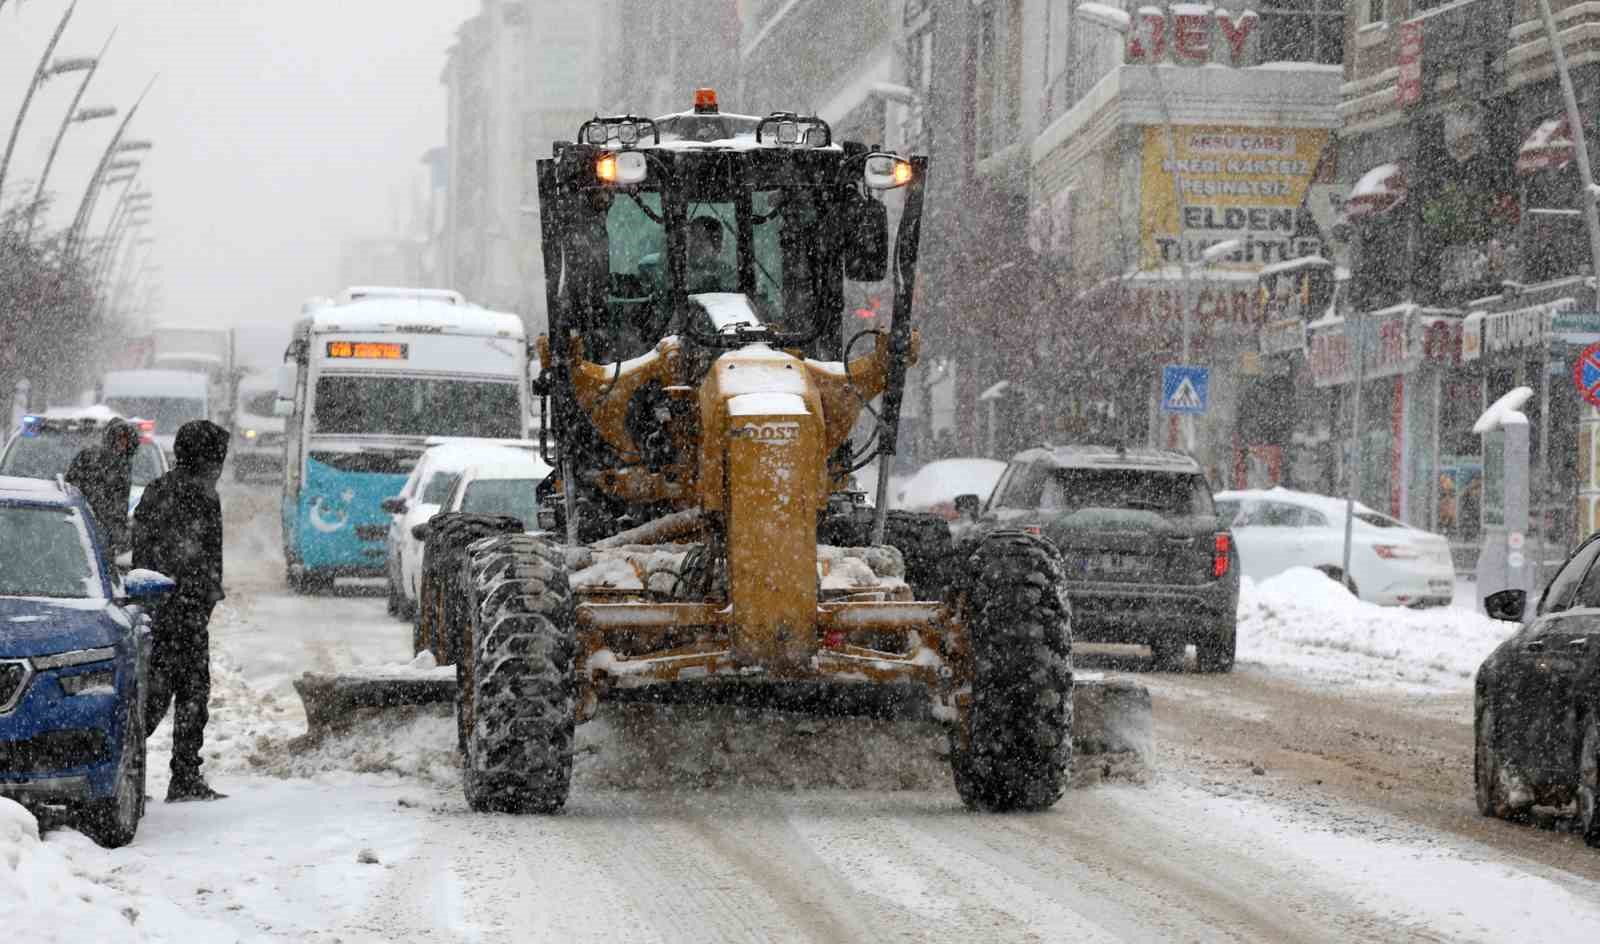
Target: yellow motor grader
(700, 532)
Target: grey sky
(281, 129)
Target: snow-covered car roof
(1094, 456)
(527, 466)
(1323, 503)
(97, 413)
(16, 488)
(154, 383)
(462, 455)
(942, 480)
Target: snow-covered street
(1320, 792)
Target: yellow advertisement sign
(1238, 183)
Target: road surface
(1276, 809)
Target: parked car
(935, 486)
(503, 487)
(1536, 701)
(73, 663)
(44, 445)
(1147, 561)
(420, 498)
(257, 446)
(1391, 563)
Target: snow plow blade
(331, 701)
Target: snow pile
(243, 720)
(66, 890)
(413, 742)
(423, 666)
(1302, 621)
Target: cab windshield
(764, 245)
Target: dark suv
(1147, 560)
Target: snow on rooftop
(1294, 265)
(1506, 411)
(388, 314)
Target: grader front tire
(1013, 750)
(517, 699)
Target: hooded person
(177, 530)
(104, 474)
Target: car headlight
(249, 434)
(96, 682)
(81, 682)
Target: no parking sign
(1586, 374)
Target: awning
(1379, 190)
(1549, 147)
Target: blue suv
(73, 659)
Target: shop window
(1303, 31)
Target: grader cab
(700, 532)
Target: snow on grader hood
(699, 538)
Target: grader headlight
(623, 169)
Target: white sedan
(1391, 563)
(424, 493)
(502, 487)
(937, 485)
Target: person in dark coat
(177, 530)
(103, 474)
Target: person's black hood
(199, 443)
(111, 439)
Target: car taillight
(1224, 549)
(1394, 551)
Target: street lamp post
(1120, 22)
(73, 114)
(43, 71)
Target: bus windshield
(416, 406)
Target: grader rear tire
(1013, 752)
(517, 689)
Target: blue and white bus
(366, 383)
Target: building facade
(1463, 213)
(1175, 163)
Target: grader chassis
(699, 532)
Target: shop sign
(1283, 337)
(1472, 337)
(1192, 34)
(1160, 311)
(1576, 327)
(1521, 327)
(1442, 341)
(1408, 87)
(1389, 349)
(1238, 183)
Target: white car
(936, 486)
(1391, 563)
(257, 446)
(420, 499)
(502, 487)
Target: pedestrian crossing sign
(1184, 388)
